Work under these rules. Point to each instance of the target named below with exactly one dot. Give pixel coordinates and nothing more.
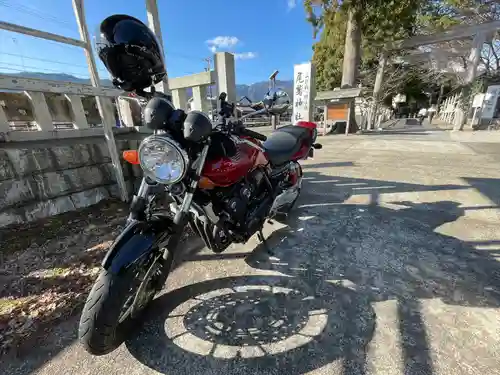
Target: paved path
(388, 266)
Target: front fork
(140, 200)
(138, 213)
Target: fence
(53, 177)
(447, 110)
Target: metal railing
(43, 125)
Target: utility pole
(154, 25)
(208, 68)
(272, 88)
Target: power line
(182, 56)
(101, 70)
(48, 60)
(37, 13)
(38, 69)
(40, 59)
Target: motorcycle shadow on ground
(333, 261)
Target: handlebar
(251, 133)
(227, 110)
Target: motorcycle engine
(242, 209)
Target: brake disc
(143, 296)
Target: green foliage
(382, 21)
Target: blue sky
(264, 34)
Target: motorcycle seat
(282, 144)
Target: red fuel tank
(225, 171)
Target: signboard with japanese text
(490, 102)
(477, 102)
(302, 92)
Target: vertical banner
(302, 92)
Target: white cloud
(291, 4)
(225, 43)
(222, 42)
(245, 55)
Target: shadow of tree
(489, 187)
(324, 190)
(388, 255)
(385, 254)
(256, 324)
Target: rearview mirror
(277, 101)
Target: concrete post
(179, 98)
(79, 118)
(125, 111)
(376, 89)
(446, 112)
(200, 102)
(325, 117)
(445, 109)
(154, 24)
(4, 122)
(442, 112)
(41, 111)
(451, 108)
(465, 94)
(348, 122)
(225, 75)
(455, 104)
(440, 97)
(105, 109)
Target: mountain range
(254, 92)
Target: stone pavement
(389, 265)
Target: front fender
(136, 240)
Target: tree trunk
(352, 57)
(440, 97)
(352, 49)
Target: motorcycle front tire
(100, 331)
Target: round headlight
(163, 160)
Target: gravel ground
(47, 269)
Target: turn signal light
(206, 183)
(131, 156)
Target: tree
(353, 32)
(440, 15)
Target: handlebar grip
(251, 133)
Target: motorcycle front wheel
(117, 301)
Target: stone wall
(36, 181)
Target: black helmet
(131, 52)
(157, 113)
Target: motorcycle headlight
(163, 160)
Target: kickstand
(260, 236)
(262, 239)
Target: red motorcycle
(225, 181)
